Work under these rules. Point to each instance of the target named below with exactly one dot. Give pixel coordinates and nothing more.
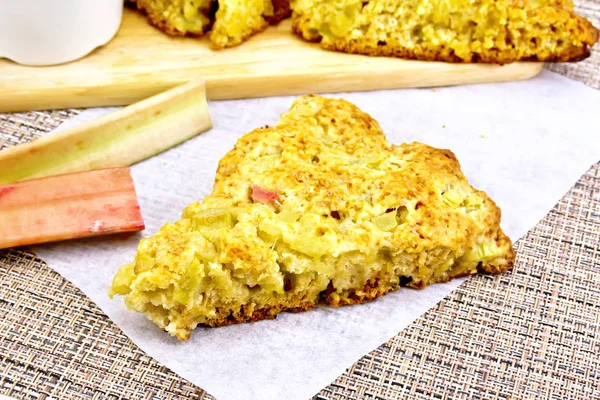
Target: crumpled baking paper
(525, 143)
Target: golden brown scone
(318, 208)
(232, 21)
(490, 31)
(237, 20)
(178, 17)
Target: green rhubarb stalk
(70, 206)
(118, 139)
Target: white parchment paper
(525, 143)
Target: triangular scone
(490, 31)
(318, 208)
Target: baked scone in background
(319, 208)
(230, 21)
(489, 31)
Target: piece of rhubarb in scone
(263, 196)
(69, 206)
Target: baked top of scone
(491, 31)
(320, 207)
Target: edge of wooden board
(421, 74)
(136, 88)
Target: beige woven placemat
(532, 333)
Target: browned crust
(258, 315)
(245, 315)
(372, 290)
(442, 53)
(376, 289)
(573, 54)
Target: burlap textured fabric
(530, 334)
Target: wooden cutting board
(141, 61)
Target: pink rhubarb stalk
(69, 206)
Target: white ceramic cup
(46, 32)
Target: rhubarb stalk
(118, 139)
(68, 206)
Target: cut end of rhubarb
(70, 206)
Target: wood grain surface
(141, 61)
